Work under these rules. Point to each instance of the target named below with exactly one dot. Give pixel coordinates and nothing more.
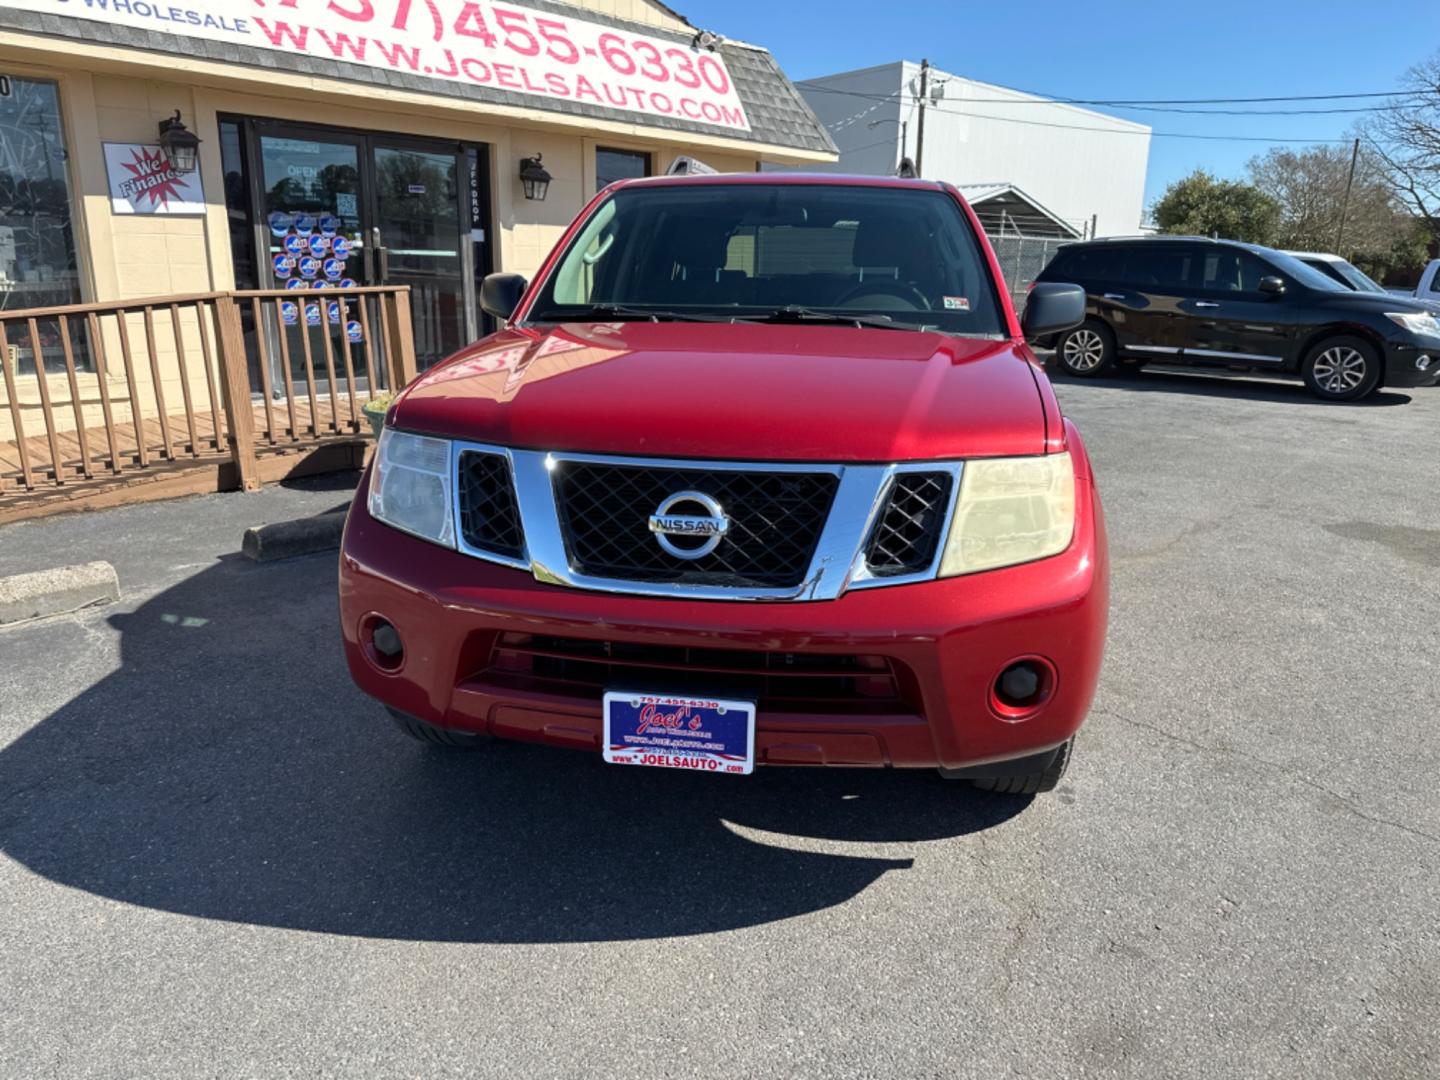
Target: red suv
(759, 470)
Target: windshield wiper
(798, 313)
(606, 312)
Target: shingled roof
(778, 114)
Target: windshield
(1358, 279)
(870, 256)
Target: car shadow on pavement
(1158, 380)
(229, 770)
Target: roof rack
(1167, 236)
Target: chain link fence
(1021, 260)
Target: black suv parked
(1220, 303)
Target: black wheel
(1031, 775)
(424, 732)
(1087, 350)
(1342, 369)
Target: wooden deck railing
(229, 387)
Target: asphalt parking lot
(219, 859)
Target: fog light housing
(1019, 684)
(383, 645)
(1022, 688)
(1422, 363)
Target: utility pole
(1345, 205)
(920, 133)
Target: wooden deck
(168, 458)
(212, 354)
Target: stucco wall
(151, 254)
(640, 11)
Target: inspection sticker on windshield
(700, 734)
(957, 303)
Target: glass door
(313, 213)
(418, 240)
(333, 209)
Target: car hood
(745, 391)
(1378, 303)
(1429, 305)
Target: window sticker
(957, 303)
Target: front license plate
(665, 732)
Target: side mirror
(500, 294)
(1052, 308)
(1272, 285)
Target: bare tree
(1309, 187)
(1405, 139)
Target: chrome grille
(908, 533)
(489, 515)
(776, 518)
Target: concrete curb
(289, 539)
(57, 591)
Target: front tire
(1086, 351)
(1025, 776)
(422, 731)
(1342, 369)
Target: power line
(1083, 127)
(1250, 112)
(870, 146)
(1050, 99)
(1231, 101)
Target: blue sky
(1125, 50)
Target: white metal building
(1065, 162)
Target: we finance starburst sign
(142, 182)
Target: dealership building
(357, 142)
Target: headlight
(410, 486)
(1417, 322)
(1011, 510)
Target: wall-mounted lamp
(535, 178)
(179, 144)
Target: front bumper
(1400, 362)
(947, 639)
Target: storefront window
(612, 165)
(305, 176)
(37, 237)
